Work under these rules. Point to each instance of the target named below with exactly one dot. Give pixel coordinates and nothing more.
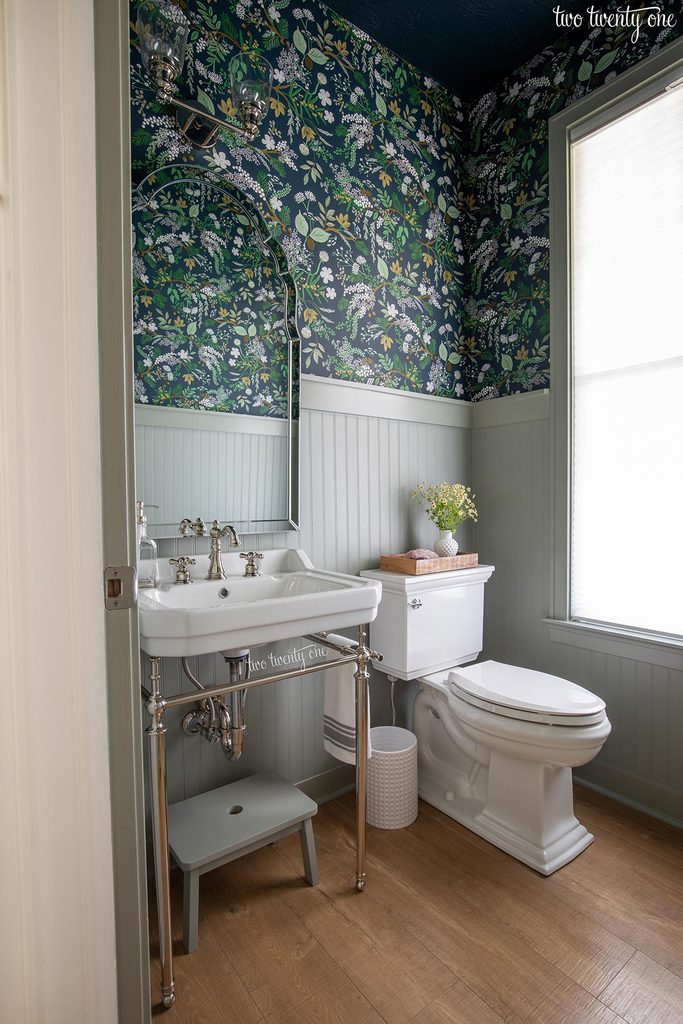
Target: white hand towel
(339, 723)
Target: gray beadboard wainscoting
(641, 682)
(362, 452)
(178, 452)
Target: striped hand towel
(339, 722)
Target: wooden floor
(449, 930)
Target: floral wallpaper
(417, 233)
(506, 321)
(356, 171)
(209, 307)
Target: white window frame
(626, 92)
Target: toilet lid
(524, 694)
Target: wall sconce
(162, 31)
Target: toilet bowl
(496, 746)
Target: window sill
(665, 651)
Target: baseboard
(329, 785)
(642, 794)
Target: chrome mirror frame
(143, 194)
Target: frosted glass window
(627, 370)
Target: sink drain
(235, 809)
(224, 592)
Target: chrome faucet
(251, 568)
(198, 527)
(182, 573)
(217, 532)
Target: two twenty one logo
(300, 657)
(627, 17)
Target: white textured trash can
(392, 777)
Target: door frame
(118, 497)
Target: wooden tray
(421, 566)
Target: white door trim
(118, 498)
(57, 939)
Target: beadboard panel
(357, 472)
(176, 468)
(642, 761)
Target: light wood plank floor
(449, 930)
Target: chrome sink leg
(156, 705)
(361, 675)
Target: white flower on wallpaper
(356, 171)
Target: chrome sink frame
(156, 704)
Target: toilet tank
(431, 622)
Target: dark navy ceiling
(469, 45)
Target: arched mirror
(216, 357)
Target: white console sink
(289, 598)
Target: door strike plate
(120, 587)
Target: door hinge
(120, 587)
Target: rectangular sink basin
(290, 598)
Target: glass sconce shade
(251, 79)
(162, 30)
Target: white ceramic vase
(446, 546)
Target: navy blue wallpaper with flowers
(357, 172)
(209, 305)
(417, 236)
(506, 321)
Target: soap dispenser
(148, 570)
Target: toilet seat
(526, 695)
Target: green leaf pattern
(357, 171)
(506, 325)
(418, 237)
(209, 307)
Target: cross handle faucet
(187, 527)
(182, 573)
(251, 568)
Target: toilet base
(510, 781)
(569, 839)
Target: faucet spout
(217, 532)
(232, 533)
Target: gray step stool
(216, 827)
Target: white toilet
(496, 743)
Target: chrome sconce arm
(201, 128)
(162, 31)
